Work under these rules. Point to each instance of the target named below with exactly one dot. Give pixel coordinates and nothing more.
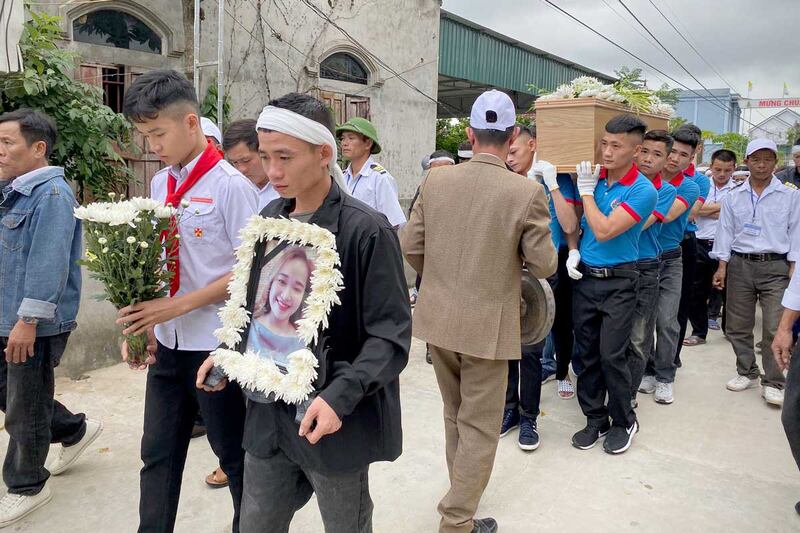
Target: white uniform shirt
(376, 187)
(707, 226)
(791, 297)
(266, 194)
(219, 206)
(750, 224)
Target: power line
(686, 40)
(642, 61)
(673, 57)
(378, 60)
(664, 47)
(266, 48)
(637, 30)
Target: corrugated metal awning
(473, 58)
(12, 20)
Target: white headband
(465, 154)
(738, 173)
(303, 128)
(444, 158)
(796, 149)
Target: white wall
(402, 33)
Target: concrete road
(712, 461)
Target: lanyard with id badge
(751, 228)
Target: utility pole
(220, 57)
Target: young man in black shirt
(355, 418)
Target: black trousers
(701, 291)
(34, 419)
(603, 312)
(716, 303)
(689, 255)
(563, 336)
(524, 390)
(277, 488)
(171, 403)
(791, 405)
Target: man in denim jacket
(40, 284)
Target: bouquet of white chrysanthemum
(125, 250)
(640, 99)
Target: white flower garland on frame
(249, 369)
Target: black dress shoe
(484, 525)
(797, 507)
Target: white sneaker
(740, 383)
(664, 393)
(15, 507)
(648, 385)
(772, 395)
(67, 455)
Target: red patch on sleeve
(630, 211)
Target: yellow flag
(785, 89)
(749, 85)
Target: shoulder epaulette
(376, 167)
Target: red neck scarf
(208, 160)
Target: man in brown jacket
(472, 228)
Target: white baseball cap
(493, 110)
(761, 144)
(210, 129)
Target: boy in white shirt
(163, 107)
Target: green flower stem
(137, 349)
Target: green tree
(676, 122)
(736, 142)
(793, 134)
(208, 108)
(450, 133)
(89, 132)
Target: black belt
(760, 258)
(624, 270)
(647, 264)
(671, 254)
(706, 242)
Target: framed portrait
(283, 288)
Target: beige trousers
(474, 394)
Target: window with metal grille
(110, 27)
(342, 66)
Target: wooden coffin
(569, 131)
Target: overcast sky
(744, 40)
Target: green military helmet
(365, 128)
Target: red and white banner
(769, 103)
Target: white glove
(546, 170)
(573, 260)
(587, 180)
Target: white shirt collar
(730, 185)
(774, 185)
(364, 170)
(28, 176)
(181, 173)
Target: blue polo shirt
(648, 241)
(570, 192)
(672, 232)
(703, 183)
(637, 196)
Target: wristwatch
(29, 320)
